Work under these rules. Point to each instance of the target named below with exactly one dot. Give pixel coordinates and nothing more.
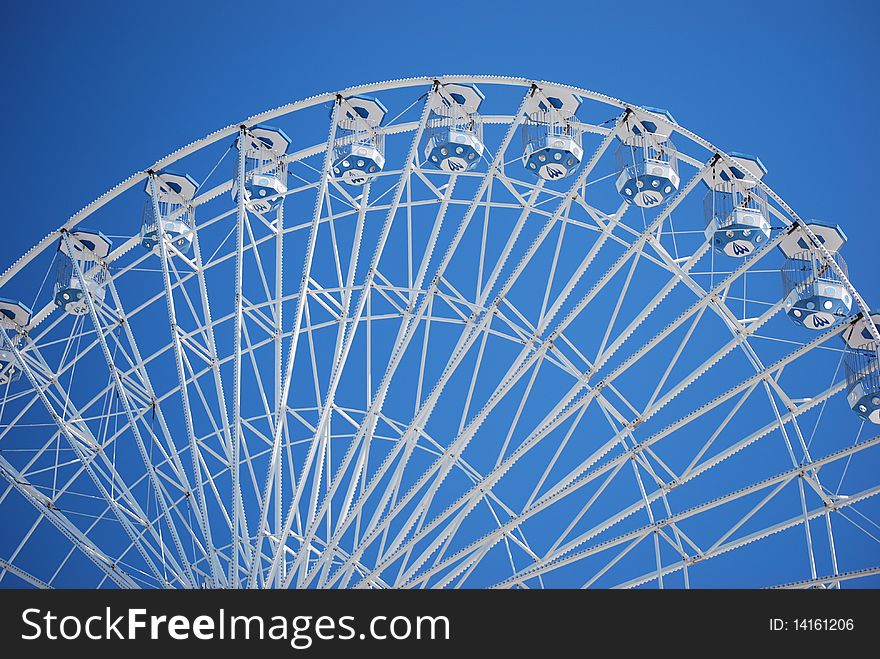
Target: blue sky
(99, 90)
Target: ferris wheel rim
(397, 83)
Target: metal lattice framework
(436, 379)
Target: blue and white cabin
(736, 212)
(454, 133)
(265, 178)
(359, 147)
(171, 194)
(89, 250)
(15, 317)
(815, 296)
(552, 139)
(646, 158)
(863, 381)
(858, 333)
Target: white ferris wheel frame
(282, 567)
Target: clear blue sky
(95, 91)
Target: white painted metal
(312, 473)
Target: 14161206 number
(823, 624)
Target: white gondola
(359, 147)
(552, 139)
(265, 180)
(174, 193)
(859, 333)
(646, 158)
(15, 317)
(735, 208)
(815, 296)
(454, 133)
(89, 250)
(863, 381)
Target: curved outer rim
(398, 83)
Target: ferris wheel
(467, 331)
